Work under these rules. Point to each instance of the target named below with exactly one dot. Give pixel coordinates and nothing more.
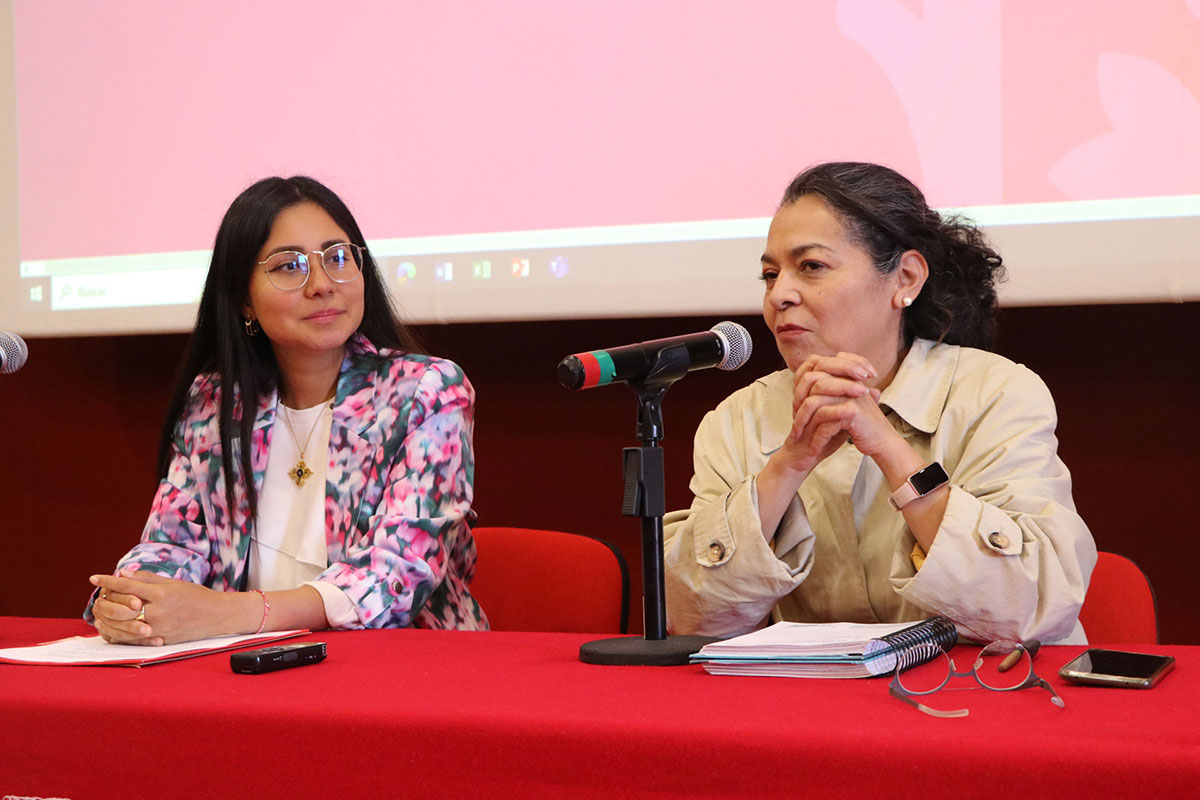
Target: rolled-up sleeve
(175, 541)
(722, 576)
(1012, 558)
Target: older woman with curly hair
(896, 469)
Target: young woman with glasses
(315, 471)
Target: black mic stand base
(672, 651)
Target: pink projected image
(1151, 146)
(541, 159)
(944, 63)
(432, 118)
(137, 121)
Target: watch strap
(903, 496)
(929, 477)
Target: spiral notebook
(828, 650)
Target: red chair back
(1119, 606)
(540, 580)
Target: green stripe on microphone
(607, 370)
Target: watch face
(929, 478)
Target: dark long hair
(245, 366)
(886, 214)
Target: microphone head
(572, 373)
(738, 344)
(13, 352)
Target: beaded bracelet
(266, 610)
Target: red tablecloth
(406, 713)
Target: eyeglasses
(995, 668)
(289, 270)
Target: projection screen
(548, 160)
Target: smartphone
(1117, 668)
(283, 656)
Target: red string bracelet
(266, 610)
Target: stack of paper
(825, 650)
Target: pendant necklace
(300, 473)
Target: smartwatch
(919, 484)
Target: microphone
(13, 352)
(726, 346)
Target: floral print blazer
(397, 495)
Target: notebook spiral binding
(919, 643)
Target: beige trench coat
(1011, 559)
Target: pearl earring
(907, 302)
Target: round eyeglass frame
(898, 690)
(302, 258)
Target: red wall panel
(79, 429)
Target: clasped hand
(138, 607)
(834, 399)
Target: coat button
(998, 540)
(716, 551)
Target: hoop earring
(251, 326)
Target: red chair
(539, 580)
(1119, 605)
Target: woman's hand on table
(118, 615)
(148, 609)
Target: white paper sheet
(94, 651)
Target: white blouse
(288, 547)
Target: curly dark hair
(887, 214)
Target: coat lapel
(234, 538)
(773, 413)
(352, 453)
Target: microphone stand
(645, 497)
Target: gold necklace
(300, 473)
